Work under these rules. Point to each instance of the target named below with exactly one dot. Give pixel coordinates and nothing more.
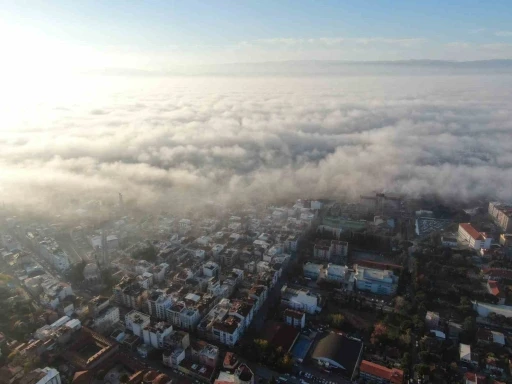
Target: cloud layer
(177, 143)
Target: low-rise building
(300, 299)
(312, 271)
(474, 239)
(382, 282)
(376, 373)
(336, 273)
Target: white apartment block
(299, 299)
(211, 269)
(312, 270)
(290, 244)
(136, 321)
(158, 304)
(382, 282)
(107, 317)
(476, 240)
(336, 272)
(154, 335)
(181, 316)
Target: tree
(422, 369)
(336, 320)
(124, 378)
(380, 332)
(406, 360)
(469, 324)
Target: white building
(290, 244)
(300, 300)
(217, 249)
(136, 321)
(158, 304)
(476, 240)
(182, 316)
(154, 334)
(51, 251)
(107, 317)
(312, 270)
(112, 243)
(295, 318)
(210, 269)
(44, 376)
(336, 272)
(339, 248)
(382, 282)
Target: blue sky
(158, 34)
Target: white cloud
(504, 33)
(177, 142)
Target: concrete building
(41, 376)
(154, 335)
(294, 318)
(183, 316)
(501, 214)
(339, 248)
(382, 282)
(204, 353)
(336, 273)
(474, 239)
(158, 304)
(211, 269)
(129, 293)
(322, 250)
(312, 270)
(299, 299)
(136, 321)
(97, 304)
(506, 239)
(290, 244)
(106, 317)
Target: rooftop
(393, 375)
(471, 231)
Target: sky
(61, 35)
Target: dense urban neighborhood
(387, 289)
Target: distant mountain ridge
(324, 67)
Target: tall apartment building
(136, 321)
(501, 214)
(154, 335)
(129, 293)
(158, 304)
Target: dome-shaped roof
(91, 270)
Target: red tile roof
(471, 231)
(498, 272)
(493, 287)
(474, 377)
(393, 375)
